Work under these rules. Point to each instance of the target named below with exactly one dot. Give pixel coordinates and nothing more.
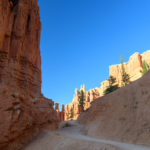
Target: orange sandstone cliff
(133, 67)
(23, 109)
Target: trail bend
(71, 138)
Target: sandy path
(70, 138)
(74, 132)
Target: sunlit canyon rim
(133, 67)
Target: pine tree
(81, 101)
(125, 76)
(145, 67)
(111, 80)
(71, 114)
(111, 86)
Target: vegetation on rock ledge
(71, 114)
(125, 76)
(81, 101)
(145, 67)
(112, 86)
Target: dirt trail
(71, 138)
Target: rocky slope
(133, 67)
(23, 109)
(122, 115)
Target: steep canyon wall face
(133, 67)
(20, 45)
(23, 109)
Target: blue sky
(81, 38)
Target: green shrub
(125, 76)
(145, 67)
(111, 86)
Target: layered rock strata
(133, 67)
(23, 109)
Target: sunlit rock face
(23, 109)
(89, 96)
(133, 67)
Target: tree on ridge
(81, 100)
(112, 86)
(125, 76)
(71, 114)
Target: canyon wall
(23, 109)
(133, 67)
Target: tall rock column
(91, 96)
(23, 109)
(62, 118)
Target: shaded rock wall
(23, 109)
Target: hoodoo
(23, 109)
